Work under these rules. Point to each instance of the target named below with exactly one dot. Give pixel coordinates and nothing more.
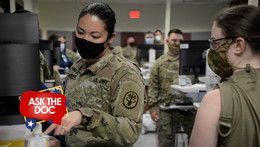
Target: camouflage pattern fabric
(218, 61)
(164, 74)
(175, 49)
(44, 69)
(110, 95)
(45, 72)
(170, 123)
(71, 55)
(57, 78)
(130, 53)
(159, 42)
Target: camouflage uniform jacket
(44, 69)
(130, 53)
(164, 73)
(57, 78)
(71, 55)
(45, 72)
(110, 95)
(159, 42)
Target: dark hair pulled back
(241, 21)
(104, 13)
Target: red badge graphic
(43, 105)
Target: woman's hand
(73, 119)
(57, 67)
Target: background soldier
(130, 50)
(158, 37)
(165, 73)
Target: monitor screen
(20, 70)
(193, 57)
(143, 51)
(46, 47)
(56, 53)
(19, 62)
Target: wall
(188, 17)
(31, 5)
(200, 35)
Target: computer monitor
(56, 53)
(143, 51)
(193, 57)
(46, 47)
(20, 69)
(19, 57)
(19, 62)
(19, 28)
(51, 51)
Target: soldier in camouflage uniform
(56, 77)
(45, 72)
(71, 55)
(164, 74)
(158, 37)
(130, 50)
(105, 91)
(44, 69)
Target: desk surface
(180, 107)
(192, 88)
(13, 131)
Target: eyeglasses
(213, 45)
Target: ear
(240, 45)
(112, 38)
(167, 41)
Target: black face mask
(132, 44)
(89, 50)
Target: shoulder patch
(130, 100)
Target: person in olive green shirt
(229, 115)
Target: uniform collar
(95, 68)
(131, 48)
(81, 66)
(172, 57)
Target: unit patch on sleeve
(130, 100)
